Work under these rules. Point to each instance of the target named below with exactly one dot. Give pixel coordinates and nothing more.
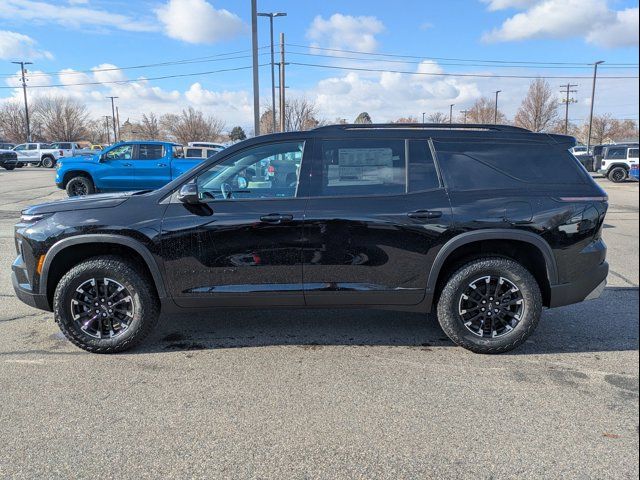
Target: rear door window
(483, 165)
(357, 167)
(616, 153)
(150, 151)
(423, 174)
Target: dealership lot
(277, 394)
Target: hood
(89, 202)
(94, 158)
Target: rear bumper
(586, 288)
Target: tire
(452, 306)
(80, 185)
(617, 174)
(138, 289)
(9, 167)
(48, 162)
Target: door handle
(127, 164)
(424, 214)
(162, 164)
(276, 218)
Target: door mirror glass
(189, 194)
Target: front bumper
(588, 287)
(24, 290)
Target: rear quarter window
(476, 166)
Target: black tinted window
(194, 153)
(616, 153)
(150, 152)
(422, 171)
(469, 166)
(362, 167)
(633, 153)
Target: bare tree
(191, 125)
(438, 117)
(149, 127)
(483, 111)
(96, 131)
(406, 120)
(539, 109)
(61, 118)
(13, 127)
(300, 114)
(364, 117)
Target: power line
(435, 74)
(210, 58)
(450, 59)
(117, 82)
(418, 62)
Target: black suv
(460, 218)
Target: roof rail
(424, 126)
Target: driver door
(117, 172)
(242, 244)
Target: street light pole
(495, 113)
(271, 16)
(24, 92)
(451, 112)
(593, 94)
(256, 81)
(113, 116)
(423, 114)
(464, 112)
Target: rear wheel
(80, 186)
(48, 162)
(9, 167)
(618, 174)
(490, 305)
(105, 305)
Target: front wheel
(105, 305)
(9, 167)
(618, 175)
(48, 162)
(490, 305)
(80, 186)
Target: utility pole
(118, 122)
(24, 91)
(256, 81)
(464, 112)
(451, 112)
(495, 113)
(283, 103)
(273, 63)
(593, 94)
(106, 120)
(567, 100)
(423, 114)
(113, 116)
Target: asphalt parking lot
(323, 394)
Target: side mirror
(102, 158)
(189, 194)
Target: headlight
(58, 165)
(24, 218)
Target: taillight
(62, 153)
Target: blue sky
(79, 35)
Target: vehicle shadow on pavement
(609, 323)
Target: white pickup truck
(37, 154)
(47, 154)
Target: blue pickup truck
(137, 165)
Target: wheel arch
(75, 173)
(103, 242)
(619, 164)
(467, 239)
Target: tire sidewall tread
(447, 307)
(138, 284)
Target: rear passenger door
(151, 166)
(376, 217)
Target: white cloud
(70, 16)
(16, 46)
(623, 31)
(197, 21)
(345, 31)
(504, 4)
(590, 19)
